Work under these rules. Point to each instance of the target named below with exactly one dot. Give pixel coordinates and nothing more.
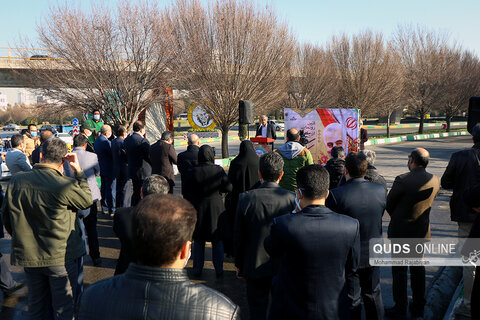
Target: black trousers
(417, 280)
(371, 294)
(90, 223)
(123, 193)
(475, 305)
(137, 191)
(258, 295)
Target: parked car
(11, 127)
(48, 127)
(65, 137)
(278, 125)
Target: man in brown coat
(409, 203)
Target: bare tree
(364, 64)
(228, 51)
(115, 60)
(314, 81)
(463, 82)
(425, 56)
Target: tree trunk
(449, 120)
(422, 120)
(225, 142)
(242, 131)
(388, 125)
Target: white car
(277, 125)
(65, 137)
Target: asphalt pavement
(391, 161)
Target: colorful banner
(325, 128)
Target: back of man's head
(80, 140)
(105, 129)
(155, 184)
(121, 130)
(166, 135)
(138, 126)
(420, 157)
(476, 133)
(356, 164)
(313, 181)
(53, 151)
(292, 134)
(371, 156)
(45, 135)
(193, 139)
(17, 140)
(338, 152)
(163, 224)
(271, 166)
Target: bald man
(188, 159)
(103, 149)
(409, 203)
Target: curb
(415, 125)
(441, 291)
(415, 137)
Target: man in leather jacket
(157, 286)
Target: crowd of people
(298, 232)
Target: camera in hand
(303, 138)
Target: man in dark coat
(365, 202)
(44, 136)
(256, 210)
(137, 148)
(409, 203)
(319, 249)
(206, 183)
(266, 130)
(103, 149)
(462, 173)
(120, 170)
(336, 166)
(87, 130)
(123, 222)
(188, 159)
(163, 157)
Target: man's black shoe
(18, 285)
(394, 314)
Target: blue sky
(311, 20)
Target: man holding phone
(39, 211)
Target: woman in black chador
(206, 183)
(243, 174)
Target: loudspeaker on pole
(245, 111)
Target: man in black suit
(103, 149)
(123, 222)
(187, 159)
(266, 130)
(255, 212)
(137, 148)
(163, 157)
(120, 170)
(364, 201)
(319, 249)
(44, 136)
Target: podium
(266, 143)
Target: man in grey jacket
(157, 286)
(89, 164)
(15, 159)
